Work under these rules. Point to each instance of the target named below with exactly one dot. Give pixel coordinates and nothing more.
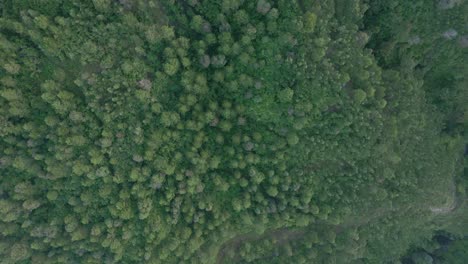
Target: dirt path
(283, 235)
(450, 205)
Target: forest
(234, 131)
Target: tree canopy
(233, 131)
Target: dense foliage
(231, 131)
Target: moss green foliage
(233, 131)
(457, 252)
(443, 248)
